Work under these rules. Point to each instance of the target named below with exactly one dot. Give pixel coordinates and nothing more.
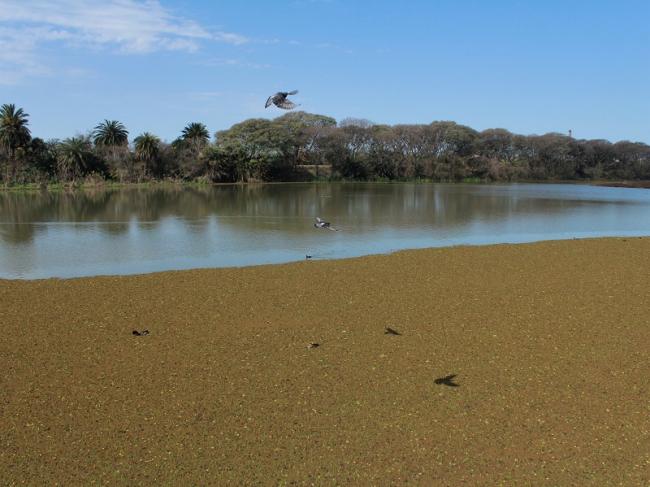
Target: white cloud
(231, 38)
(129, 26)
(17, 57)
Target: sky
(531, 67)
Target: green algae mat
(549, 344)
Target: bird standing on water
(280, 100)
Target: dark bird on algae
(280, 100)
(447, 381)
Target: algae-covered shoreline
(550, 344)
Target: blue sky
(156, 65)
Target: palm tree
(190, 145)
(196, 137)
(111, 141)
(178, 144)
(147, 149)
(196, 133)
(147, 146)
(110, 133)
(74, 156)
(14, 133)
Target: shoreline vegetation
(171, 183)
(548, 343)
(99, 185)
(300, 146)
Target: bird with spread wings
(320, 223)
(280, 100)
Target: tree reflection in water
(196, 222)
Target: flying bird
(320, 223)
(447, 381)
(280, 100)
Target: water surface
(131, 231)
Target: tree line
(299, 145)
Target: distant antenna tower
(570, 133)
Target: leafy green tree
(14, 136)
(599, 155)
(382, 161)
(496, 144)
(552, 157)
(41, 156)
(225, 164)
(632, 160)
(266, 149)
(354, 142)
(280, 149)
(303, 132)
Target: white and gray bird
(320, 223)
(280, 100)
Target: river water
(132, 231)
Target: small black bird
(280, 100)
(447, 381)
(313, 345)
(307, 256)
(390, 331)
(142, 333)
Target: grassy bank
(550, 344)
(99, 185)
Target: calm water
(145, 230)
